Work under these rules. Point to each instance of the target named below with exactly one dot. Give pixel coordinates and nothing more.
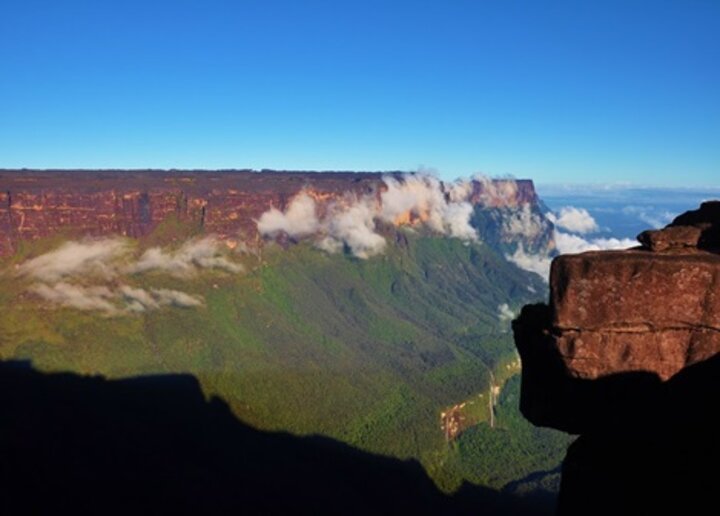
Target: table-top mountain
(38, 203)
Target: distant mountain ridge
(39, 203)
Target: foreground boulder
(626, 354)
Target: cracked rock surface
(627, 354)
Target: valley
(369, 351)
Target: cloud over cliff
(351, 221)
(299, 220)
(445, 209)
(573, 220)
(112, 275)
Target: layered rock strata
(39, 203)
(626, 354)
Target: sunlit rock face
(228, 204)
(655, 308)
(36, 204)
(627, 354)
(621, 311)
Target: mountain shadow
(658, 451)
(156, 445)
(647, 446)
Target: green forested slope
(366, 351)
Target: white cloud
(330, 245)
(95, 298)
(204, 253)
(350, 220)
(112, 301)
(105, 260)
(138, 299)
(175, 298)
(299, 220)
(576, 220)
(64, 274)
(456, 220)
(354, 226)
(565, 243)
(108, 259)
(87, 258)
(505, 313)
(537, 263)
(460, 190)
(571, 244)
(425, 200)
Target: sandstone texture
(37, 204)
(626, 353)
(40, 203)
(654, 308)
(635, 310)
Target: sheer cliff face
(37, 204)
(632, 310)
(626, 353)
(653, 309)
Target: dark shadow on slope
(540, 487)
(646, 446)
(661, 455)
(155, 445)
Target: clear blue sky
(574, 91)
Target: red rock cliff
(36, 204)
(627, 353)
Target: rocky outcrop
(626, 353)
(624, 311)
(36, 204)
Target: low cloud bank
(98, 298)
(565, 243)
(141, 300)
(108, 259)
(62, 275)
(112, 301)
(93, 257)
(539, 263)
(352, 221)
(571, 244)
(204, 253)
(575, 220)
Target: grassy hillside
(366, 351)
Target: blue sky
(556, 91)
